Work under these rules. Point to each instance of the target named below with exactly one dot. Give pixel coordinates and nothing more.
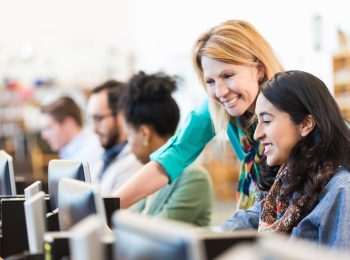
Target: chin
(271, 162)
(236, 111)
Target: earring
(261, 80)
(145, 143)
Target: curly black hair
(148, 100)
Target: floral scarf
(282, 212)
(249, 166)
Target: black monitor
(144, 237)
(58, 169)
(7, 179)
(76, 201)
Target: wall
(82, 42)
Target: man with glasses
(118, 163)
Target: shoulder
(125, 162)
(197, 170)
(340, 180)
(338, 186)
(195, 173)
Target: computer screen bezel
(35, 216)
(32, 189)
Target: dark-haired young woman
(151, 117)
(304, 190)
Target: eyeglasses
(99, 118)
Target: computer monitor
(85, 240)
(76, 201)
(7, 179)
(35, 216)
(144, 237)
(58, 169)
(280, 247)
(32, 189)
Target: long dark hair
(300, 94)
(148, 100)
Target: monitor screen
(143, 237)
(76, 201)
(7, 179)
(58, 169)
(32, 189)
(35, 215)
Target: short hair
(114, 92)
(62, 108)
(147, 100)
(234, 42)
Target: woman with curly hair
(151, 117)
(304, 187)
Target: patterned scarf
(281, 212)
(249, 166)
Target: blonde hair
(235, 42)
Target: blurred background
(50, 47)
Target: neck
(157, 142)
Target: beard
(111, 141)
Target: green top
(186, 145)
(188, 198)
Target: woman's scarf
(249, 166)
(281, 211)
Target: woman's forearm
(146, 181)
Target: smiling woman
(305, 178)
(233, 86)
(232, 60)
(277, 133)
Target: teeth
(267, 147)
(232, 101)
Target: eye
(210, 82)
(266, 122)
(229, 75)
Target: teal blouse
(189, 141)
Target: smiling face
(276, 131)
(234, 86)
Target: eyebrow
(264, 113)
(221, 74)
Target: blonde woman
(232, 60)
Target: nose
(258, 133)
(94, 126)
(221, 90)
(43, 134)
